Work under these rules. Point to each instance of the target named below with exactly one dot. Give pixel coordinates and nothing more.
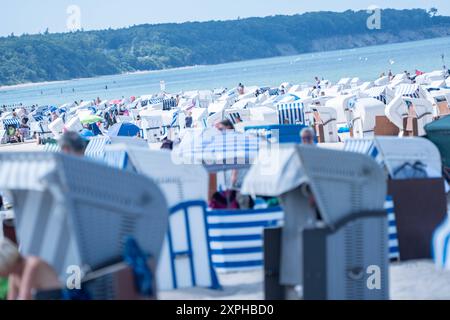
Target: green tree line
(62, 56)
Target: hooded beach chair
(327, 248)
(291, 113)
(364, 116)
(74, 212)
(186, 255)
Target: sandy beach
(414, 280)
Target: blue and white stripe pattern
(169, 103)
(236, 237)
(441, 244)
(117, 159)
(364, 146)
(52, 147)
(11, 122)
(394, 251)
(221, 150)
(408, 90)
(378, 93)
(186, 258)
(96, 148)
(156, 101)
(175, 119)
(234, 117)
(291, 113)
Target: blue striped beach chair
(291, 113)
(96, 148)
(441, 245)
(11, 122)
(236, 237)
(408, 90)
(394, 251)
(186, 256)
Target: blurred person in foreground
(26, 275)
(72, 143)
(307, 136)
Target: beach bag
(411, 171)
(224, 200)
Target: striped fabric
(441, 244)
(364, 146)
(186, 258)
(408, 90)
(11, 122)
(156, 101)
(175, 119)
(291, 113)
(169, 104)
(394, 252)
(117, 159)
(38, 118)
(234, 117)
(52, 147)
(220, 150)
(274, 92)
(96, 148)
(236, 237)
(378, 93)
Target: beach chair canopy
(277, 171)
(71, 211)
(11, 122)
(398, 109)
(409, 90)
(393, 152)
(218, 150)
(383, 94)
(291, 113)
(96, 147)
(336, 179)
(186, 190)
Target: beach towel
(137, 260)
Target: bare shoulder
(34, 264)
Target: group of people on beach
(18, 129)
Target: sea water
(366, 63)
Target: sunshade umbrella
(89, 118)
(124, 129)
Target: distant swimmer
(106, 87)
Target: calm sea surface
(367, 63)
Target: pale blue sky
(34, 16)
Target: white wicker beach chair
(349, 193)
(74, 212)
(185, 260)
